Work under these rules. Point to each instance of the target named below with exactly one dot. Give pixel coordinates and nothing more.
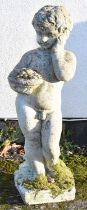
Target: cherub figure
(38, 79)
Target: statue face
(45, 41)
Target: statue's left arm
(64, 63)
(17, 84)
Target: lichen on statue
(38, 79)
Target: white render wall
(18, 36)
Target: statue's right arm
(64, 62)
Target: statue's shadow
(77, 43)
(74, 94)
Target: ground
(74, 156)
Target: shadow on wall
(74, 105)
(78, 44)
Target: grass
(77, 164)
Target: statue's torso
(48, 93)
(41, 62)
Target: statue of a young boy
(38, 79)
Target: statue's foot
(60, 174)
(25, 172)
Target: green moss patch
(8, 166)
(8, 191)
(78, 165)
(63, 180)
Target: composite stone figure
(38, 80)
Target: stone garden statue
(38, 80)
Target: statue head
(52, 23)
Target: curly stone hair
(54, 20)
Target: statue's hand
(57, 49)
(59, 43)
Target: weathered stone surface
(53, 19)
(32, 197)
(38, 79)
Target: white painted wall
(18, 36)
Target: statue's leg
(51, 133)
(31, 128)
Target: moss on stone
(41, 183)
(78, 166)
(62, 176)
